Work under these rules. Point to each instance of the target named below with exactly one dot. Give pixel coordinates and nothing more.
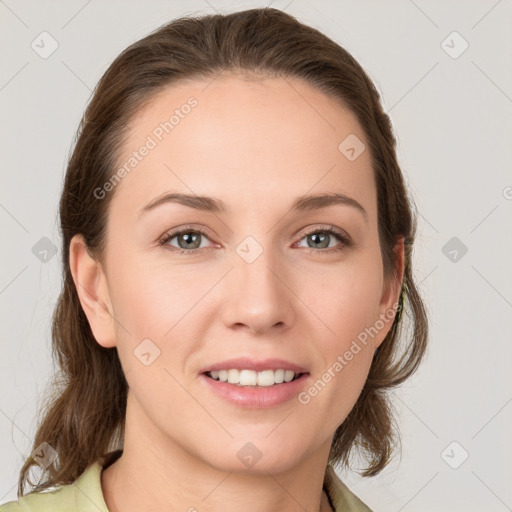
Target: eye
(321, 239)
(189, 241)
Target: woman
(237, 246)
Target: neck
(155, 473)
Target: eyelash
(343, 239)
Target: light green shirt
(86, 495)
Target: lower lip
(256, 398)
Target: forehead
(246, 139)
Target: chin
(256, 458)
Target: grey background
(453, 118)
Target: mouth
(246, 378)
(251, 389)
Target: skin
(256, 144)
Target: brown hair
(84, 417)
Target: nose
(257, 296)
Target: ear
(92, 288)
(391, 291)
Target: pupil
(188, 239)
(323, 243)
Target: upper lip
(243, 363)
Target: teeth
(247, 378)
(264, 378)
(288, 375)
(279, 376)
(233, 376)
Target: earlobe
(388, 307)
(92, 288)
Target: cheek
(154, 307)
(150, 298)
(346, 300)
(346, 351)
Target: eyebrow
(211, 204)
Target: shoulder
(60, 499)
(341, 496)
(12, 506)
(84, 495)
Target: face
(252, 276)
